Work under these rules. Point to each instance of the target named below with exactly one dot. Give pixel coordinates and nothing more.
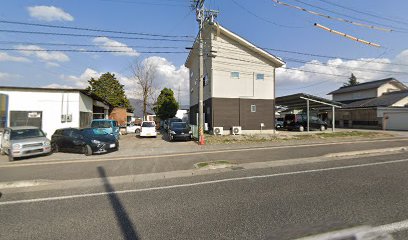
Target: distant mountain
(138, 106)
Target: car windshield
(93, 132)
(26, 133)
(101, 124)
(179, 125)
(148, 124)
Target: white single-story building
(49, 108)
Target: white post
(333, 119)
(308, 114)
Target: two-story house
(381, 104)
(239, 81)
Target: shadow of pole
(126, 225)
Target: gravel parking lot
(130, 145)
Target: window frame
(235, 77)
(260, 74)
(253, 108)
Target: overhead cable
(94, 36)
(333, 18)
(93, 29)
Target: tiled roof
(368, 85)
(386, 100)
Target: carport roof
(298, 101)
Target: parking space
(130, 145)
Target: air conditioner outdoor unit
(69, 117)
(236, 130)
(63, 118)
(218, 130)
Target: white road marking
(81, 160)
(362, 232)
(199, 183)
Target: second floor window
(234, 74)
(260, 76)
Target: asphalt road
(84, 168)
(268, 203)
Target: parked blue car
(108, 125)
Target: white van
(148, 129)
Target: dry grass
(262, 138)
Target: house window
(260, 76)
(253, 108)
(234, 74)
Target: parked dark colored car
(87, 141)
(169, 121)
(180, 130)
(299, 122)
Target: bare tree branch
(144, 73)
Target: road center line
(54, 162)
(68, 197)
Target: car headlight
(46, 143)
(172, 132)
(96, 141)
(16, 146)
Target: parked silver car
(24, 141)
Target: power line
(146, 3)
(262, 18)
(352, 17)
(87, 50)
(93, 36)
(316, 55)
(88, 45)
(365, 13)
(93, 29)
(333, 18)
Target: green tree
(352, 81)
(166, 105)
(108, 88)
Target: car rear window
(179, 125)
(148, 124)
(101, 124)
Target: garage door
(396, 121)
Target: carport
(304, 102)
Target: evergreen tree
(166, 105)
(108, 88)
(352, 81)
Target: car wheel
(301, 129)
(2, 152)
(87, 150)
(55, 148)
(10, 156)
(322, 128)
(137, 131)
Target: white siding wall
(232, 57)
(401, 103)
(370, 93)
(52, 105)
(387, 88)
(85, 103)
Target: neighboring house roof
(83, 91)
(385, 100)
(369, 85)
(278, 62)
(298, 101)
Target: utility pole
(202, 15)
(178, 95)
(200, 19)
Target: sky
(317, 61)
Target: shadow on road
(128, 229)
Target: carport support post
(333, 120)
(308, 114)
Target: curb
(363, 152)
